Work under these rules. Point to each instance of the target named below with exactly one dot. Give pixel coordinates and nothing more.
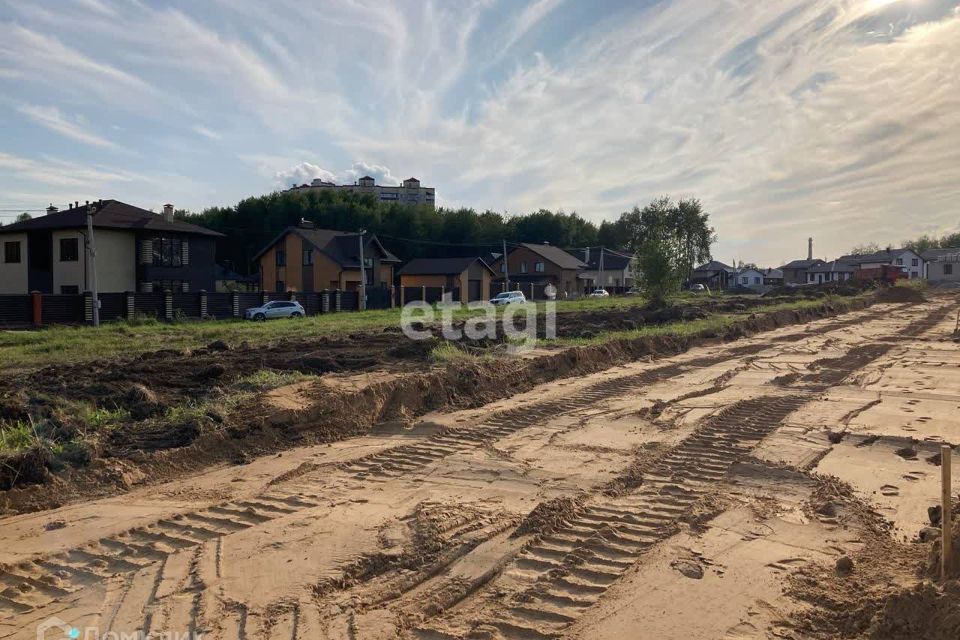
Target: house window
(503, 267)
(899, 261)
(307, 257)
(538, 267)
(173, 286)
(756, 280)
(69, 250)
(11, 252)
(281, 258)
(915, 262)
(69, 289)
(948, 269)
(167, 252)
(280, 286)
(523, 267)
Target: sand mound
(899, 294)
(933, 558)
(921, 612)
(547, 516)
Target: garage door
(475, 290)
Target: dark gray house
(136, 250)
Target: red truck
(886, 273)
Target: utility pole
(92, 264)
(602, 282)
(506, 269)
(362, 301)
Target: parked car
(698, 287)
(599, 293)
(634, 291)
(508, 297)
(275, 309)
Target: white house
(910, 262)
(750, 278)
(834, 271)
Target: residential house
(619, 269)
(136, 250)
(749, 278)
(304, 258)
(796, 272)
(773, 277)
(713, 274)
(410, 192)
(470, 276)
(933, 255)
(911, 263)
(528, 263)
(833, 271)
(943, 267)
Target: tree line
(917, 245)
(420, 231)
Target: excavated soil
(568, 494)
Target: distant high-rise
(410, 192)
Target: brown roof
(340, 246)
(556, 255)
(110, 214)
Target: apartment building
(409, 193)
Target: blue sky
(838, 119)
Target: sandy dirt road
(662, 499)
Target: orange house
(304, 258)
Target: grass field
(27, 349)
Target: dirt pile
(899, 295)
(933, 568)
(924, 611)
(547, 516)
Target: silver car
(275, 309)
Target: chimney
(809, 248)
(586, 255)
(51, 209)
(306, 224)
(168, 212)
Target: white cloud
(53, 119)
(205, 132)
(305, 172)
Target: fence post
(292, 296)
(336, 300)
(168, 304)
(88, 307)
(131, 305)
(203, 303)
(37, 308)
(393, 296)
(423, 293)
(403, 302)
(324, 301)
(264, 297)
(235, 303)
(443, 291)
(531, 291)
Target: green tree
(23, 217)
(865, 249)
(670, 239)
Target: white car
(599, 293)
(508, 297)
(275, 309)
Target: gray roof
(802, 264)
(556, 255)
(340, 246)
(887, 255)
(109, 214)
(440, 266)
(613, 260)
(933, 254)
(834, 266)
(715, 265)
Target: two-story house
(529, 263)
(910, 262)
(606, 268)
(136, 250)
(304, 258)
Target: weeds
(18, 436)
(448, 352)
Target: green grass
(717, 322)
(17, 436)
(61, 344)
(450, 352)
